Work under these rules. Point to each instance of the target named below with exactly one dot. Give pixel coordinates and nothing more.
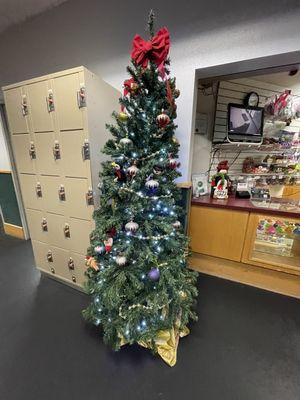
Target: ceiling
(13, 12)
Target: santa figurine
(221, 183)
(120, 175)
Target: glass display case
(273, 242)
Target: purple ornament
(154, 274)
(99, 249)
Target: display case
(273, 242)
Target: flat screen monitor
(245, 124)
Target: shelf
(267, 148)
(265, 174)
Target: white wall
(4, 157)
(98, 34)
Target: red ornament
(108, 244)
(111, 232)
(156, 50)
(162, 119)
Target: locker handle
(81, 97)
(44, 225)
(50, 101)
(49, 256)
(89, 197)
(71, 264)
(67, 230)
(62, 193)
(56, 150)
(38, 190)
(24, 105)
(32, 153)
(85, 150)
(74, 278)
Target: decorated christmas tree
(141, 289)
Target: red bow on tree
(155, 50)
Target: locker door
(48, 161)
(66, 104)
(40, 255)
(40, 113)
(56, 225)
(80, 231)
(60, 262)
(75, 154)
(24, 152)
(16, 113)
(38, 225)
(32, 191)
(78, 206)
(78, 275)
(53, 202)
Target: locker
(80, 231)
(32, 191)
(48, 156)
(39, 95)
(40, 255)
(79, 268)
(24, 152)
(78, 190)
(38, 225)
(66, 92)
(75, 153)
(54, 193)
(60, 262)
(17, 107)
(56, 225)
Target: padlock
(24, 105)
(74, 278)
(67, 230)
(52, 270)
(81, 97)
(62, 193)
(86, 150)
(38, 189)
(89, 197)
(44, 225)
(56, 150)
(71, 264)
(32, 153)
(49, 256)
(50, 101)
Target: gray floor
(246, 344)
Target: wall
(4, 157)
(98, 35)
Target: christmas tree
(141, 289)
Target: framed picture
(200, 184)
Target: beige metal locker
(57, 127)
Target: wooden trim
(14, 230)
(186, 185)
(273, 281)
(3, 171)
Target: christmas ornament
(172, 162)
(108, 244)
(126, 142)
(132, 170)
(131, 227)
(111, 232)
(130, 86)
(99, 249)
(154, 274)
(175, 140)
(158, 169)
(90, 262)
(156, 50)
(182, 294)
(177, 224)
(121, 260)
(123, 116)
(119, 173)
(162, 119)
(152, 186)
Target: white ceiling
(15, 11)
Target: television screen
(245, 123)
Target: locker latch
(49, 256)
(71, 264)
(38, 189)
(24, 105)
(81, 97)
(86, 150)
(32, 153)
(50, 101)
(67, 230)
(62, 193)
(90, 197)
(74, 278)
(44, 225)
(56, 150)
(52, 270)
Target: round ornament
(177, 224)
(99, 249)
(172, 163)
(162, 119)
(126, 141)
(121, 260)
(154, 274)
(131, 226)
(152, 186)
(132, 170)
(123, 116)
(158, 169)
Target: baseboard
(14, 230)
(271, 280)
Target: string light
(143, 196)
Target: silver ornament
(121, 260)
(177, 224)
(151, 184)
(126, 141)
(132, 170)
(131, 226)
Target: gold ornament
(182, 294)
(123, 116)
(175, 140)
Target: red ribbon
(127, 85)
(155, 50)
